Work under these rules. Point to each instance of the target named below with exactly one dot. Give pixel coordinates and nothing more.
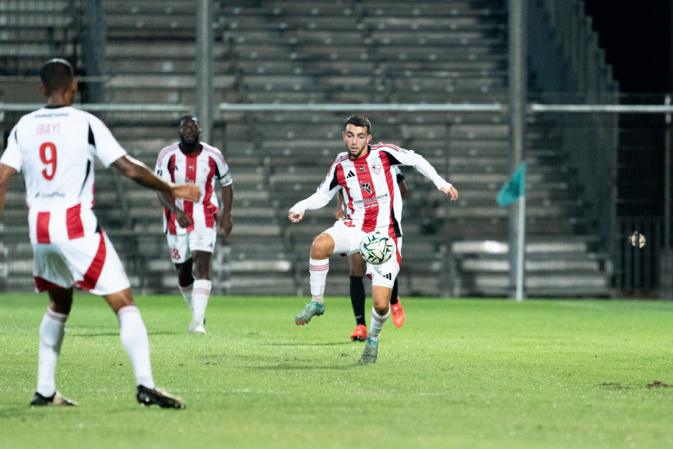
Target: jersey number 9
(48, 157)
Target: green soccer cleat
(370, 353)
(310, 310)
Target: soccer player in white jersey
(55, 147)
(190, 226)
(357, 271)
(373, 203)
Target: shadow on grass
(301, 343)
(15, 412)
(275, 362)
(23, 412)
(111, 334)
(298, 366)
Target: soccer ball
(376, 248)
(637, 240)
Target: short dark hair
(188, 117)
(359, 120)
(56, 74)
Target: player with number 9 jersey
(55, 148)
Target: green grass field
(460, 374)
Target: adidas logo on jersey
(388, 276)
(350, 174)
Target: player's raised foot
(56, 399)
(398, 313)
(196, 327)
(310, 310)
(155, 396)
(360, 333)
(370, 353)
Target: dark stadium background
(637, 38)
(637, 41)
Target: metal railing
(567, 62)
(637, 271)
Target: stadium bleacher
(341, 51)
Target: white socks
(52, 330)
(376, 323)
(187, 294)
(318, 269)
(133, 335)
(200, 295)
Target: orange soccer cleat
(360, 333)
(398, 313)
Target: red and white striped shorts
(90, 263)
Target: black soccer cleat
(155, 396)
(55, 399)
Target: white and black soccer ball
(637, 239)
(377, 248)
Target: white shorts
(90, 263)
(347, 240)
(181, 246)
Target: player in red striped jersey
(357, 270)
(190, 226)
(373, 203)
(55, 147)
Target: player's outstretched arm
(6, 173)
(424, 167)
(322, 196)
(318, 200)
(140, 174)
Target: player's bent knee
(120, 299)
(202, 271)
(322, 246)
(381, 310)
(381, 299)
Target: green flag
(514, 188)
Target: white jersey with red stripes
(371, 194)
(204, 168)
(55, 147)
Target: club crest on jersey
(361, 168)
(376, 167)
(366, 187)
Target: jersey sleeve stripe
(392, 160)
